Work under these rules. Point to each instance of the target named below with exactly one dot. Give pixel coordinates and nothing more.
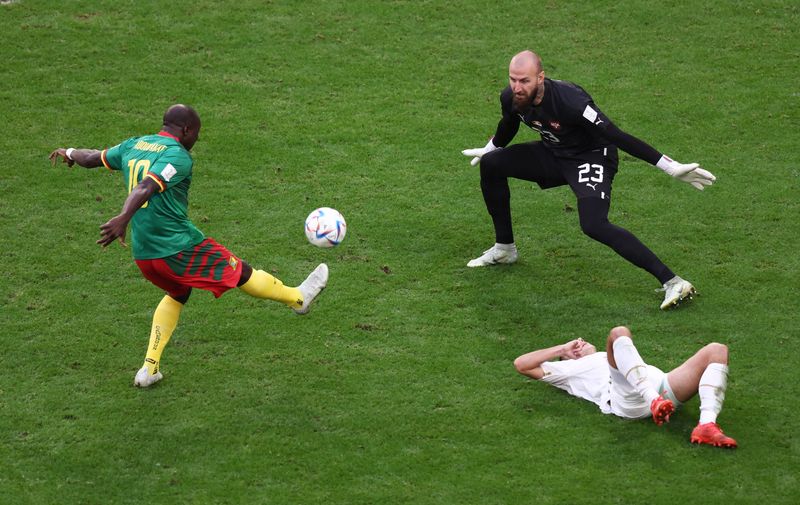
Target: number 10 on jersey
(137, 170)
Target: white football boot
(312, 287)
(144, 378)
(498, 253)
(675, 291)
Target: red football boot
(661, 409)
(711, 434)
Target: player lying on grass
(169, 250)
(621, 383)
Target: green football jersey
(161, 227)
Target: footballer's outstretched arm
(690, 173)
(507, 129)
(115, 227)
(625, 141)
(87, 158)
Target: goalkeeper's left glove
(690, 173)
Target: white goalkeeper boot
(675, 291)
(498, 253)
(144, 378)
(312, 287)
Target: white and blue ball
(325, 227)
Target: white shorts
(627, 402)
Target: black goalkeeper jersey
(569, 123)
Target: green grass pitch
(399, 386)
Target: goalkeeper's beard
(525, 102)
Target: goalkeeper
(578, 147)
(169, 250)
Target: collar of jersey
(167, 134)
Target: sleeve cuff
(665, 163)
(161, 186)
(104, 159)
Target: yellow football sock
(263, 285)
(165, 319)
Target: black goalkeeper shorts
(589, 173)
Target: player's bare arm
(115, 227)
(531, 364)
(87, 158)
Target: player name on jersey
(147, 146)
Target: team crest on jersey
(555, 125)
(233, 262)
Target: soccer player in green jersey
(169, 250)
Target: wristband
(665, 163)
(69, 153)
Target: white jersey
(593, 379)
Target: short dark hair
(180, 115)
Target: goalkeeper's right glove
(690, 173)
(479, 152)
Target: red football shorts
(208, 265)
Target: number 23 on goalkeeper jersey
(161, 227)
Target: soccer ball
(325, 227)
